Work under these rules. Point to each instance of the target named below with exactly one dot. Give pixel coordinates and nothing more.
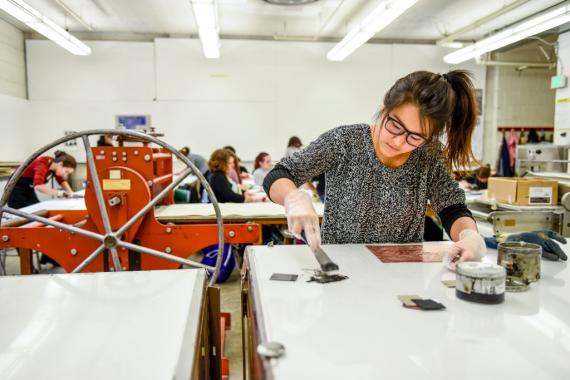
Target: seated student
(294, 145)
(240, 169)
(233, 170)
(105, 140)
(198, 161)
(225, 189)
(262, 166)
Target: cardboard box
(523, 191)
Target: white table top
(237, 211)
(186, 211)
(129, 325)
(357, 328)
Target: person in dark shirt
(105, 140)
(220, 163)
(242, 172)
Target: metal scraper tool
(327, 265)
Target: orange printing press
(118, 230)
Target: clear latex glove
(469, 247)
(63, 194)
(301, 216)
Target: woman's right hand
(63, 194)
(248, 197)
(301, 216)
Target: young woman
(225, 189)
(37, 174)
(261, 166)
(380, 177)
(240, 172)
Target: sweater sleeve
(318, 157)
(223, 189)
(445, 196)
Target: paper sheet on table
(201, 211)
(410, 253)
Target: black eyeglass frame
(424, 140)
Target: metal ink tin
(480, 282)
(522, 263)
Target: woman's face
(401, 131)
(231, 164)
(266, 163)
(62, 171)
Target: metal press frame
(112, 239)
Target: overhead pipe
(68, 10)
(507, 8)
(527, 65)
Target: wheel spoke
(116, 260)
(89, 259)
(53, 223)
(97, 185)
(162, 255)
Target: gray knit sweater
(366, 201)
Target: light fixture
(535, 25)
(380, 17)
(206, 16)
(43, 25)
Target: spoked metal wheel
(111, 239)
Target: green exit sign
(558, 81)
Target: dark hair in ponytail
(447, 103)
(66, 159)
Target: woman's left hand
(469, 247)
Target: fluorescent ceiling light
(210, 43)
(535, 25)
(206, 16)
(43, 25)
(380, 17)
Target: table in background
(263, 213)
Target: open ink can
(522, 263)
(480, 282)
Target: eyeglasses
(397, 129)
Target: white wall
(255, 97)
(12, 61)
(14, 122)
(14, 109)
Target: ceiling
(325, 19)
